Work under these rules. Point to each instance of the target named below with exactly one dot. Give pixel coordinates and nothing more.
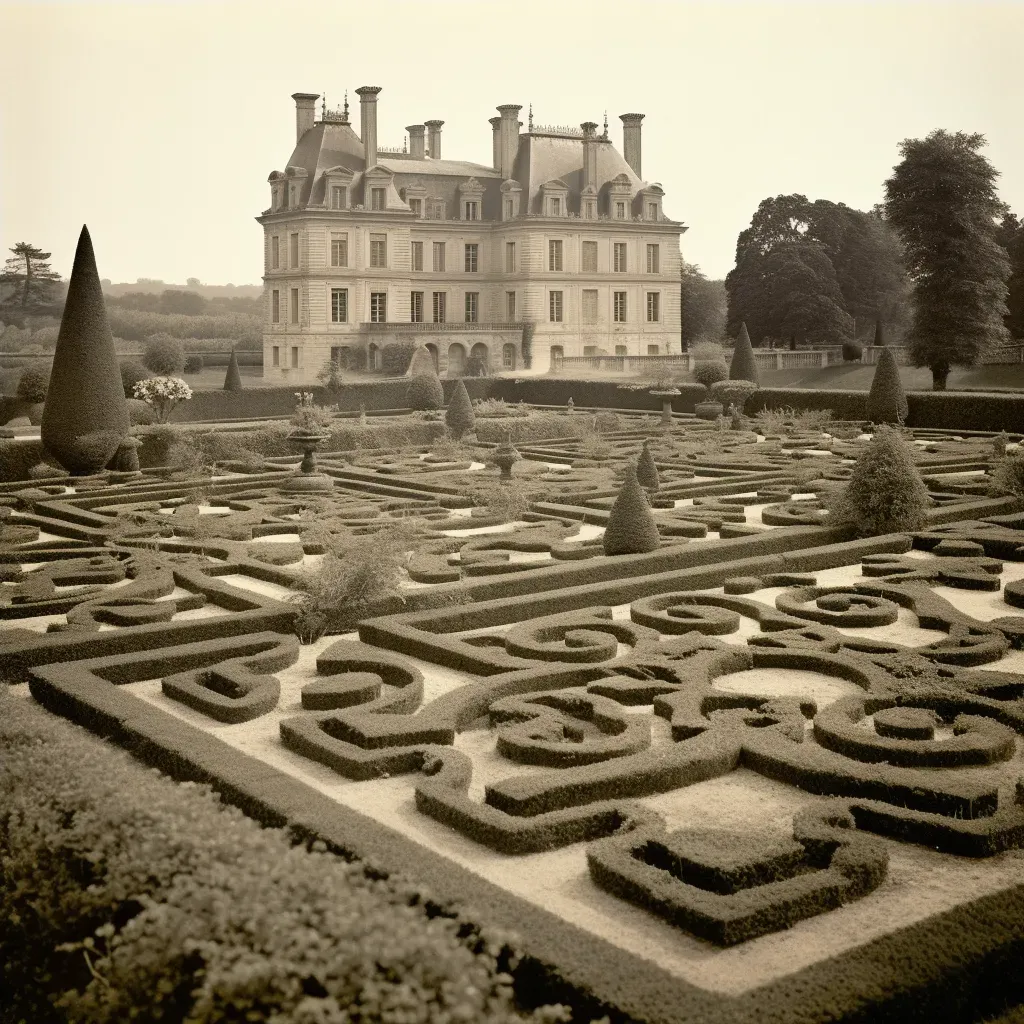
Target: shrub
(422, 362)
(44, 471)
(999, 443)
(631, 529)
(708, 352)
(425, 392)
(529, 329)
(459, 416)
(86, 395)
(395, 358)
(140, 413)
(33, 383)
(646, 470)
(131, 373)
(164, 355)
(193, 363)
(163, 394)
(710, 373)
(743, 365)
(880, 339)
(309, 418)
(507, 502)
(1008, 475)
(851, 352)
(886, 401)
(232, 378)
(734, 392)
(885, 493)
(477, 365)
(329, 374)
(607, 422)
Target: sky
(157, 124)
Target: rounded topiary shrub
(743, 365)
(193, 363)
(631, 529)
(711, 372)
(34, 383)
(233, 379)
(885, 493)
(646, 470)
(86, 396)
(458, 417)
(140, 413)
(164, 355)
(131, 373)
(425, 392)
(851, 352)
(887, 402)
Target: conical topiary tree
(425, 392)
(459, 415)
(886, 401)
(885, 493)
(880, 341)
(422, 362)
(744, 365)
(631, 529)
(646, 470)
(233, 379)
(86, 415)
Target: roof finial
(531, 118)
(606, 124)
(346, 106)
(323, 109)
(405, 140)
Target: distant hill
(207, 291)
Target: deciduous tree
(703, 305)
(30, 274)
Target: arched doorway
(434, 354)
(508, 357)
(480, 359)
(456, 359)
(555, 363)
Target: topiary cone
(646, 470)
(886, 401)
(86, 396)
(880, 334)
(233, 379)
(744, 365)
(631, 529)
(459, 416)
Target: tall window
(275, 252)
(378, 250)
(472, 211)
(275, 307)
(378, 307)
(439, 307)
(416, 307)
(652, 211)
(295, 357)
(510, 307)
(589, 305)
(339, 305)
(619, 259)
(438, 257)
(295, 306)
(339, 250)
(509, 207)
(293, 249)
(417, 255)
(510, 257)
(378, 197)
(653, 307)
(555, 254)
(555, 307)
(472, 307)
(416, 205)
(588, 256)
(620, 211)
(275, 356)
(472, 253)
(337, 197)
(620, 307)
(653, 258)
(556, 206)
(437, 210)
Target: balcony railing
(431, 328)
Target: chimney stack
(305, 112)
(434, 138)
(417, 142)
(589, 154)
(368, 121)
(496, 142)
(509, 128)
(631, 140)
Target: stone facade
(365, 247)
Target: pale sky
(158, 123)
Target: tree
(703, 305)
(1011, 237)
(631, 529)
(30, 274)
(802, 295)
(164, 355)
(647, 469)
(743, 365)
(189, 303)
(886, 401)
(86, 416)
(459, 416)
(233, 379)
(942, 200)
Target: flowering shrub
(163, 394)
(310, 418)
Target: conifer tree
(744, 365)
(233, 379)
(887, 402)
(86, 415)
(631, 528)
(646, 470)
(459, 415)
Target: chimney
(496, 142)
(434, 138)
(416, 140)
(589, 154)
(631, 140)
(509, 137)
(305, 112)
(368, 121)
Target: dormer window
(293, 197)
(378, 198)
(554, 198)
(471, 194)
(471, 210)
(511, 194)
(652, 211)
(416, 205)
(556, 207)
(620, 211)
(436, 209)
(338, 197)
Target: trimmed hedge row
(124, 896)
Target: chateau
(366, 246)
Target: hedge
(124, 895)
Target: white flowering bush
(162, 394)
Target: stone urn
(505, 457)
(709, 409)
(307, 478)
(666, 395)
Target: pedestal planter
(307, 478)
(505, 457)
(666, 395)
(708, 410)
